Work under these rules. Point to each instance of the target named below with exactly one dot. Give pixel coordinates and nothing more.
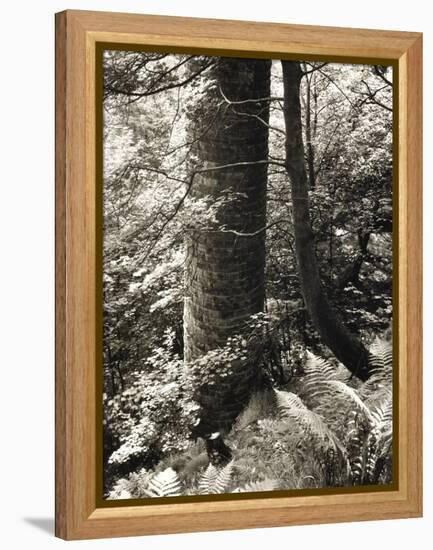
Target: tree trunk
(346, 347)
(308, 137)
(225, 266)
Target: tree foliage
(309, 422)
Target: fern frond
(342, 373)
(224, 478)
(370, 448)
(351, 396)
(207, 480)
(259, 486)
(323, 383)
(165, 484)
(133, 486)
(317, 371)
(372, 457)
(355, 446)
(373, 389)
(382, 413)
(380, 381)
(380, 356)
(288, 400)
(215, 481)
(383, 422)
(291, 406)
(386, 444)
(317, 367)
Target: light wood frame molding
(77, 32)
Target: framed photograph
(238, 274)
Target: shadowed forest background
(247, 275)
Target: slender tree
(345, 346)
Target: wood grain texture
(60, 239)
(77, 32)
(75, 347)
(249, 36)
(412, 293)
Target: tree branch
(138, 95)
(244, 101)
(254, 233)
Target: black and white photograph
(247, 275)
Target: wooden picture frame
(78, 250)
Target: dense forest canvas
(247, 275)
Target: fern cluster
(167, 483)
(350, 426)
(324, 429)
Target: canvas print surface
(247, 275)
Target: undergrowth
(323, 429)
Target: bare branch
(314, 68)
(371, 96)
(138, 95)
(244, 101)
(254, 233)
(381, 75)
(332, 81)
(189, 183)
